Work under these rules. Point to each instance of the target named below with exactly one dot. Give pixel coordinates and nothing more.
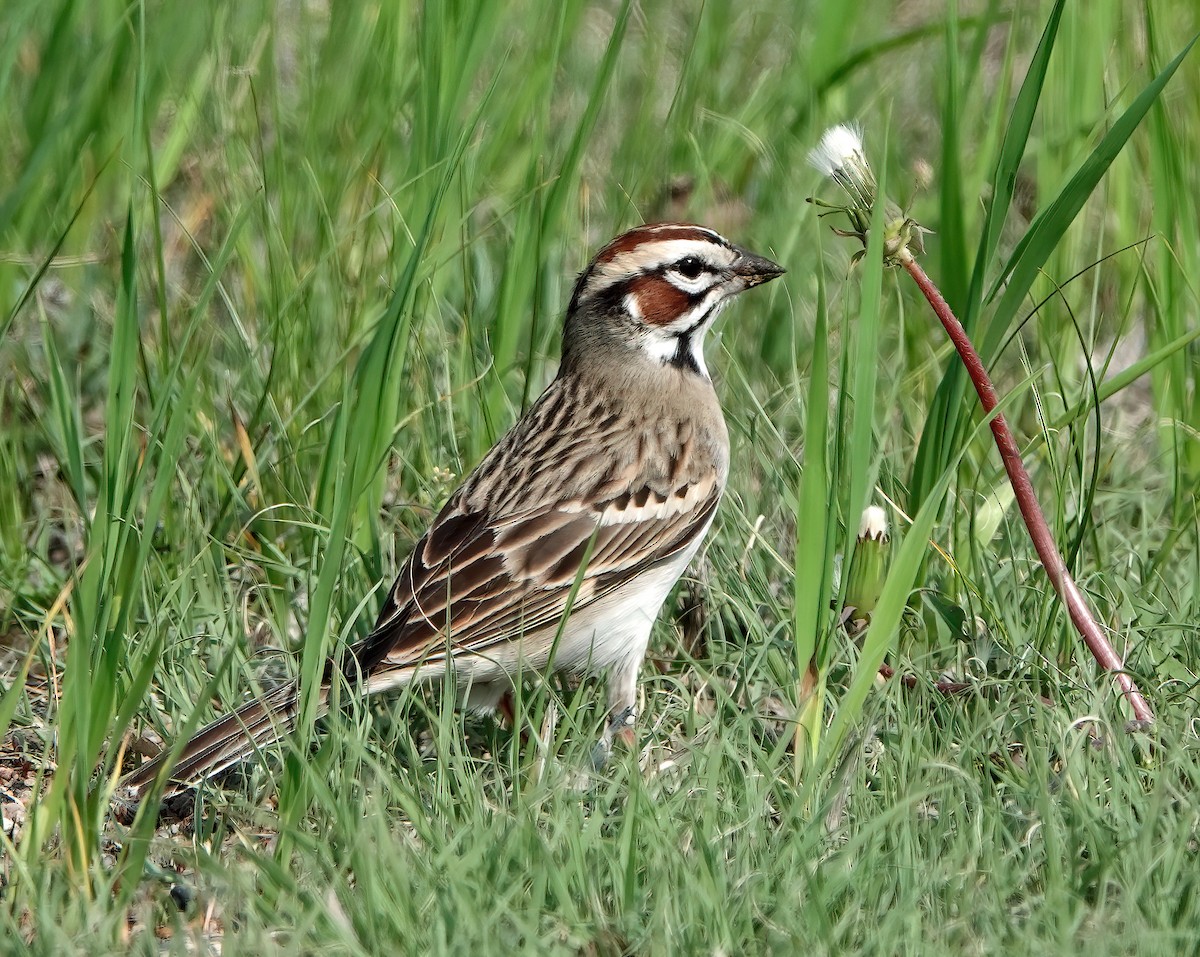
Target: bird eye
(689, 267)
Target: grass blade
(815, 530)
(948, 412)
(1048, 228)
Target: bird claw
(601, 753)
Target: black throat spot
(684, 356)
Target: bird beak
(753, 269)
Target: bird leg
(620, 725)
(622, 708)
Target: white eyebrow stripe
(654, 254)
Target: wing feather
(515, 582)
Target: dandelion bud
(869, 567)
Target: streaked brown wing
(484, 580)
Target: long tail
(228, 740)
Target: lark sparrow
(604, 489)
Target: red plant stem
(1031, 512)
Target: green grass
(268, 274)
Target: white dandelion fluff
(874, 524)
(841, 157)
(839, 146)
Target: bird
(557, 553)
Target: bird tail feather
(252, 727)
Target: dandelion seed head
(840, 156)
(840, 146)
(874, 524)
